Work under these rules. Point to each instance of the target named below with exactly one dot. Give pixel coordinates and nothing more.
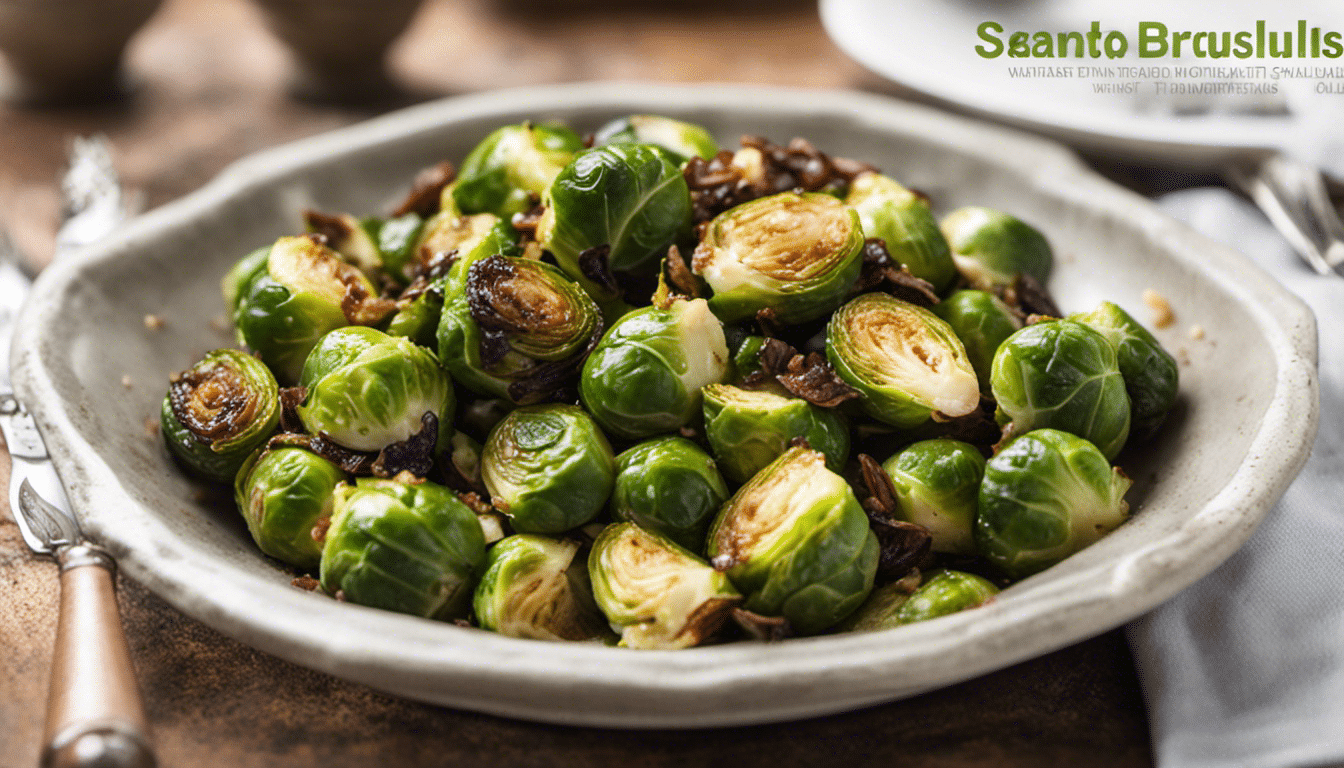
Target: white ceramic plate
(1237, 438)
(929, 45)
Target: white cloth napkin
(1246, 667)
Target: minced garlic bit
(1196, 332)
(126, 381)
(153, 322)
(1162, 314)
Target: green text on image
(1153, 40)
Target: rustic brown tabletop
(210, 88)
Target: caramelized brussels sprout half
(747, 429)
(533, 588)
(797, 255)
(367, 390)
(943, 593)
(991, 248)
(904, 222)
(682, 140)
(905, 361)
(218, 411)
(668, 486)
(645, 375)
(286, 496)
(355, 240)
(517, 328)
(1063, 375)
(656, 594)
(796, 542)
(981, 321)
(410, 548)
(1045, 496)
(937, 485)
(470, 238)
(548, 467)
(1150, 372)
(509, 170)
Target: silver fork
(1294, 196)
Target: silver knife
(94, 712)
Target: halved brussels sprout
(518, 328)
(943, 593)
(286, 496)
(683, 140)
(472, 238)
(904, 222)
(1064, 375)
(668, 486)
(1150, 372)
(218, 411)
(1046, 495)
(645, 375)
(355, 240)
(548, 467)
(797, 255)
(991, 248)
(306, 292)
(937, 484)
(747, 429)
(906, 362)
(413, 549)
(533, 588)
(511, 166)
(656, 594)
(367, 390)
(796, 542)
(628, 197)
(982, 321)
(240, 276)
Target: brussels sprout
(286, 495)
(991, 248)
(656, 594)
(668, 486)
(471, 238)
(797, 255)
(904, 222)
(511, 166)
(306, 292)
(747, 429)
(747, 357)
(796, 542)
(943, 593)
(905, 361)
(367, 390)
(548, 467)
(1046, 495)
(414, 549)
(1062, 374)
(682, 140)
(397, 241)
(218, 411)
(628, 197)
(240, 276)
(1150, 372)
(517, 328)
(645, 375)
(532, 588)
(981, 321)
(419, 320)
(937, 483)
(354, 239)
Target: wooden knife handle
(94, 713)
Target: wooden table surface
(212, 88)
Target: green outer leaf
(548, 467)
(937, 486)
(414, 549)
(818, 563)
(397, 239)
(747, 358)
(1046, 495)
(982, 322)
(282, 495)
(668, 486)
(904, 221)
(645, 375)
(533, 588)
(748, 429)
(1063, 375)
(283, 326)
(923, 336)
(219, 461)
(509, 165)
(820, 281)
(240, 276)
(1151, 375)
(419, 320)
(991, 247)
(367, 396)
(681, 139)
(944, 593)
